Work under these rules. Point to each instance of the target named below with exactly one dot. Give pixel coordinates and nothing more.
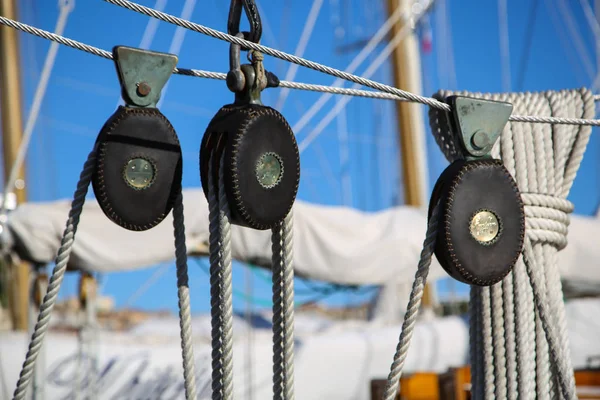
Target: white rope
(414, 303)
(221, 287)
(283, 310)
(276, 53)
(529, 312)
(62, 259)
(386, 92)
(183, 294)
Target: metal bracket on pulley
(477, 124)
(142, 74)
(139, 164)
(482, 222)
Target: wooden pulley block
(261, 168)
(139, 162)
(481, 220)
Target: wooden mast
(12, 129)
(406, 64)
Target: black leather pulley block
(261, 163)
(481, 221)
(138, 168)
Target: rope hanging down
(386, 92)
(62, 260)
(250, 172)
(519, 345)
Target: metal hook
(235, 15)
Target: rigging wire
(329, 70)
(528, 42)
(504, 44)
(386, 91)
(567, 16)
(66, 6)
(371, 70)
(309, 27)
(354, 64)
(177, 42)
(149, 33)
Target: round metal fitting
(484, 227)
(480, 140)
(139, 173)
(143, 89)
(481, 221)
(269, 170)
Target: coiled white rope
(59, 270)
(526, 309)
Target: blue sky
(84, 90)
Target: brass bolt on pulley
(261, 159)
(481, 217)
(138, 164)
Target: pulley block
(261, 162)
(139, 162)
(481, 217)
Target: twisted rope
(544, 160)
(183, 294)
(62, 259)
(216, 287)
(227, 294)
(414, 303)
(283, 310)
(221, 294)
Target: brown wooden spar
(407, 76)
(12, 130)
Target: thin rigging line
(578, 42)
(594, 26)
(373, 67)
(279, 54)
(309, 27)
(504, 44)
(177, 42)
(65, 9)
(528, 42)
(354, 64)
(149, 33)
(398, 95)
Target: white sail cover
(335, 360)
(333, 244)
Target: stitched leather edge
(102, 197)
(253, 113)
(446, 221)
